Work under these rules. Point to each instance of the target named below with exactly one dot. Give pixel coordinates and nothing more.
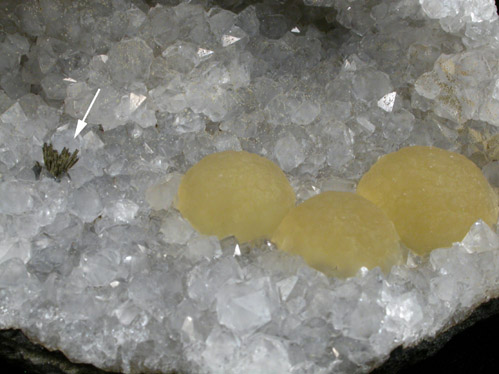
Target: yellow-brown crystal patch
(235, 193)
(338, 233)
(433, 196)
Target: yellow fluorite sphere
(235, 193)
(433, 196)
(338, 233)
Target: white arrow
(81, 123)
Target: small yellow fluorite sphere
(235, 193)
(338, 233)
(433, 196)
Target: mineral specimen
(340, 232)
(57, 164)
(235, 193)
(432, 195)
(102, 266)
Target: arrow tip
(79, 127)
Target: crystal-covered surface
(102, 267)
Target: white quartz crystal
(100, 264)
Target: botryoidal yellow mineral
(433, 196)
(338, 233)
(235, 193)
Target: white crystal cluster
(102, 267)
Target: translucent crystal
(15, 114)
(305, 112)
(86, 203)
(266, 354)
(15, 197)
(164, 25)
(127, 312)
(105, 110)
(122, 210)
(12, 48)
(244, 306)
(176, 229)
(51, 259)
(285, 286)
(229, 39)
(12, 273)
(491, 172)
(100, 269)
(5, 102)
(248, 21)
(54, 86)
(31, 19)
(13, 84)
(136, 18)
(92, 141)
(386, 102)
(480, 238)
(289, 153)
(124, 63)
(220, 21)
(202, 247)
(15, 248)
(161, 194)
(404, 315)
(341, 149)
(221, 345)
(371, 84)
(204, 281)
(478, 11)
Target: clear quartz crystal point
(387, 102)
(229, 39)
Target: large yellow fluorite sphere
(235, 193)
(433, 196)
(338, 233)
